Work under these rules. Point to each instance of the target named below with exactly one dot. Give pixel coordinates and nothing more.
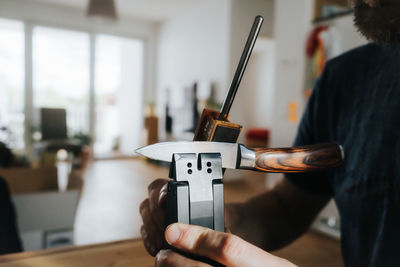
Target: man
(355, 103)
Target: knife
(237, 156)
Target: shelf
(331, 17)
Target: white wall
(195, 45)
(252, 103)
(292, 24)
(243, 14)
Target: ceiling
(154, 10)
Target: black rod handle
(248, 48)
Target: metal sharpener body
(196, 195)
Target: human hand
(152, 210)
(224, 248)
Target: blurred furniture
(151, 123)
(53, 123)
(310, 250)
(257, 137)
(45, 216)
(328, 9)
(54, 131)
(54, 136)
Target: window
(12, 83)
(118, 90)
(61, 74)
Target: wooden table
(116, 254)
(310, 250)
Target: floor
(113, 190)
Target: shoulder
(348, 70)
(353, 59)
(341, 79)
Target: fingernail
(144, 234)
(160, 256)
(164, 188)
(162, 197)
(172, 234)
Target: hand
(224, 248)
(152, 210)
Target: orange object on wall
(293, 114)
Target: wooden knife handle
(299, 159)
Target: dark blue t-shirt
(356, 103)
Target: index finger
(156, 185)
(154, 190)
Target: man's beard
(380, 24)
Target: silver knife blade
(163, 151)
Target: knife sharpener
(195, 195)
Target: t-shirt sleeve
(313, 129)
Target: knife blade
(237, 156)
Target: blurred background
(85, 83)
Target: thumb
(224, 248)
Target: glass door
(61, 75)
(118, 95)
